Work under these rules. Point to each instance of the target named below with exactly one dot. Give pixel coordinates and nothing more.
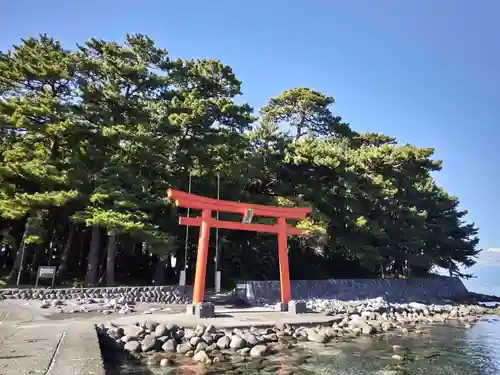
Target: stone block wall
(163, 294)
(258, 292)
(394, 290)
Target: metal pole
(20, 267)
(217, 236)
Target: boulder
(224, 342)
(169, 346)
(202, 357)
(237, 342)
(149, 343)
(315, 336)
(132, 346)
(258, 351)
(132, 332)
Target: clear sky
(425, 71)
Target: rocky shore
(157, 344)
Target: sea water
(441, 350)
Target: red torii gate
(206, 221)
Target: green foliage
(93, 137)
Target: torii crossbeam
(206, 221)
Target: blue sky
(424, 71)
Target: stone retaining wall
(163, 294)
(258, 292)
(397, 290)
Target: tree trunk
(93, 261)
(159, 275)
(38, 256)
(19, 261)
(83, 251)
(101, 269)
(65, 259)
(101, 275)
(47, 233)
(110, 261)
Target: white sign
(247, 219)
(46, 272)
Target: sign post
(46, 272)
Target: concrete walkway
(230, 318)
(30, 344)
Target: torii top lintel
(198, 202)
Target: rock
(211, 348)
(397, 357)
(208, 339)
(210, 330)
(201, 347)
(202, 357)
(199, 330)
(224, 342)
(189, 333)
(184, 348)
(132, 331)
(330, 332)
(155, 359)
(367, 329)
(169, 346)
(125, 339)
(417, 306)
(220, 358)
(195, 340)
(314, 336)
(258, 351)
(178, 335)
(243, 351)
(148, 343)
(115, 333)
(250, 338)
(132, 346)
(387, 326)
(166, 362)
(160, 330)
(163, 339)
(57, 303)
(171, 328)
(237, 342)
(464, 311)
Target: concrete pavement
(31, 344)
(229, 318)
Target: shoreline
(155, 344)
